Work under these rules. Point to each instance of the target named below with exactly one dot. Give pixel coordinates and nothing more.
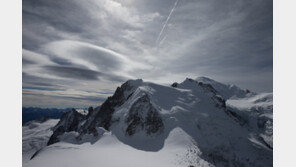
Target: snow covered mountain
(194, 123)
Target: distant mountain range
(33, 113)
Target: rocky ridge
(141, 111)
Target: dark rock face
(36, 153)
(175, 84)
(221, 103)
(90, 112)
(143, 116)
(191, 80)
(208, 87)
(69, 122)
(103, 116)
(98, 117)
(236, 117)
(248, 91)
(153, 122)
(54, 137)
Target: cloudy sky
(75, 53)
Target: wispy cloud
(97, 45)
(166, 21)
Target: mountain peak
(202, 79)
(227, 91)
(143, 115)
(134, 82)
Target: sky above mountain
(75, 53)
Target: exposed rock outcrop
(98, 117)
(102, 117)
(143, 116)
(70, 121)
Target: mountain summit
(197, 122)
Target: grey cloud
(40, 88)
(43, 84)
(73, 72)
(30, 80)
(29, 99)
(27, 62)
(61, 61)
(82, 74)
(97, 56)
(86, 98)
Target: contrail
(166, 22)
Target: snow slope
(109, 152)
(191, 123)
(262, 103)
(35, 136)
(257, 111)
